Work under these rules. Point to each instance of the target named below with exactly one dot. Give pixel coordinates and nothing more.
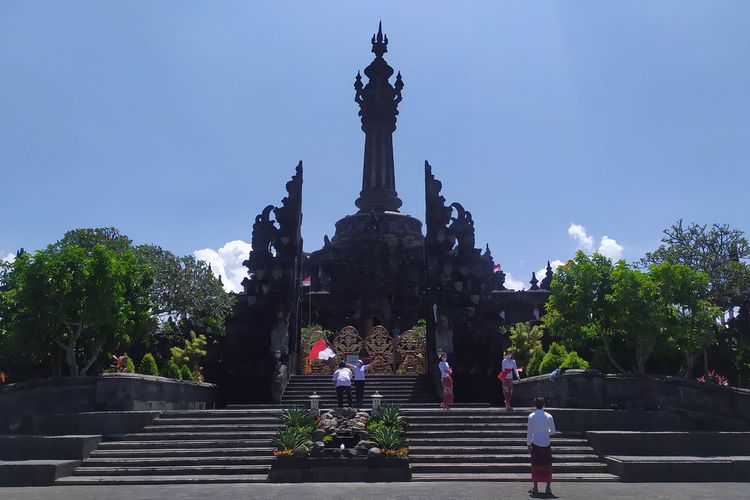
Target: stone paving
(385, 491)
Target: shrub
(532, 367)
(171, 370)
(327, 438)
(290, 438)
(192, 353)
(186, 373)
(295, 416)
(554, 358)
(388, 438)
(129, 364)
(573, 360)
(148, 365)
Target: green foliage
(295, 416)
(327, 438)
(388, 438)
(553, 358)
(290, 438)
(129, 364)
(525, 339)
(532, 367)
(148, 365)
(73, 302)
(186, 373)
(390, 415)
(573, 360)
(171, 370)
(192, 353)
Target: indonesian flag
(320, 351)
(306, 281)
(496, 268)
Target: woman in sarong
(541, 426)
(447, 380)
(508, 371)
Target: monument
(379, 274)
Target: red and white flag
(496, 268)
(320, 350)
(306, 281)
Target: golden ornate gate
(379, 347)
(410, 352)
(347, 342)
(316, 366)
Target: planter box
(339, 470)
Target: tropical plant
(148, 365)
(120, 364)
(295, 416)
(171, 370)
(388, 438)
(290, 438)
(713, 378)
(525, 340)
(390, 415)
(192, 353)
(327, 438)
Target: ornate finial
(534, 282)
(379, 42)
(547, 281)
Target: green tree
(192, 353)
(525, 338)
(573, 360)
(148, 365)
(80, 301)
(553, 358)
(171, 370)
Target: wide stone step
(452, 426)
(191, 470)
(461, 433)
(449, 442)
(217, 421)
(185, 443)
(495, 458)
(515, 477)
(205, 436)
(249, 412)
(423, 451)
(468, 467)
(263, 451)
(212, 428)
(166, 461)
(149, 479)
(464, 419)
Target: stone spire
(378, 107)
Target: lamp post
(314, 405)
(376, 400)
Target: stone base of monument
(339, 470)
(35, 472)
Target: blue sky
(178, 121)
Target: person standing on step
(343, 380)
(359, 380)
(446, 378)
(541, 425)
(508, 371)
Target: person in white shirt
(541, 425)
(508, 372)
(343, 379)
(446, 378)
(359, 380)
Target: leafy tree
(525, 338)
(148, 365)
(80, 301)
(192, 353)
(573, 360)
(532, 367)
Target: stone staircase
(398, 389)
(489, 444)
(203, 446)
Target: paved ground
(384, 491)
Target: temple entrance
(406, 356)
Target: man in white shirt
(541, 425)
(359, 380)
(343, 379)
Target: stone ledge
(339, 470)
(47, 447)
(35, 472)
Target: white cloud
(512, 284)
(578, 233)
(610, 248)
(8, 258)
(227, 262)
(607, 246)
